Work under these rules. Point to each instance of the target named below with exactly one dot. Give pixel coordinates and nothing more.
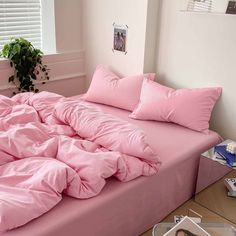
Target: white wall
(152, 26)
(198, 50)
(98, 17)
(68, 16)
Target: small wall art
(200, 5)
(208, 6)
(231, 9)
(120, 38)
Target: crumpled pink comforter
(51, 145)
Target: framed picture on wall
(120, 38)
(199, 5)
(231, 9)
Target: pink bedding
(51, 145)
(131, 208)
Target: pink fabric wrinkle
(22, 115)
(31, 141)
(51, 145)
(6, 105)
(104, 129)
(108, 88)
(22, 97)
(190, 108)
(37, 183)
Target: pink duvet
(50, 145)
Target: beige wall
(198, 50)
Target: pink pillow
(108, 88)
(187, 107)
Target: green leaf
(33, 76)
(27, 62)
(11, 79)
(5, 50)
(16, 48)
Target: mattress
(133, 207)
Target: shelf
(207, 13)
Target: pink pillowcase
(108, 88)
(187, 107)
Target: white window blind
(20, 18)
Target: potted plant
(27, 63)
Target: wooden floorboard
(207, 216)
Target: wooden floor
(208, 216)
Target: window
(21, 18)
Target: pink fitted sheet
(133, 207)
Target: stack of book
(230, 183)
(221, 152)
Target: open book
(187, 227)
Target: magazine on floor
(187, 227)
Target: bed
(133, 207)
(145, 134)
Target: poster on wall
(120, 38)
(200, 5)
(206, 6)
(231, 8)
